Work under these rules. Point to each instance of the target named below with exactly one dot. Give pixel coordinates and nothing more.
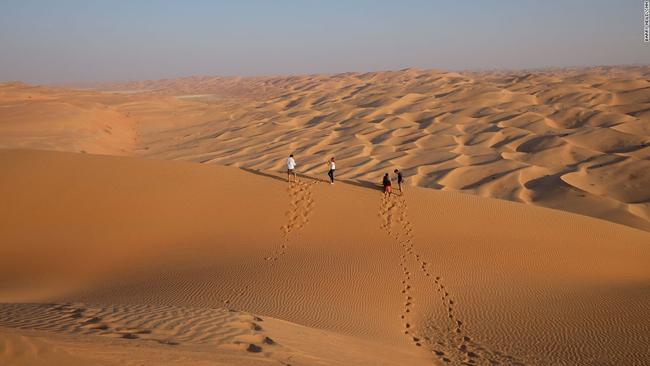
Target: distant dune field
(151, 223)
(579, 144)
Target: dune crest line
(571, 142)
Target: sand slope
(579, 143)
(17, 349)
(131, 261)
(36, 117)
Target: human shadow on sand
(359, 183)
(280, 178)
(364, 184)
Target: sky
(44, 42)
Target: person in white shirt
(332, 165)
(291, 166)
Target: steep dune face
(534, 139)
(144, 257)
(519, 138)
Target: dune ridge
(160, 229)
(579, 143)
(154, 254)
(606, 71)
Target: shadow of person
(365, 184)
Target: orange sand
(108, 259)
(155, 251)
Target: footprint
(90, 320)
(167, 342)
(99, 327)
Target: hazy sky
(58, 41)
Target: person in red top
(387, 183)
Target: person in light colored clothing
(291, 169)
(332, 165)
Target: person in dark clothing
(332, 164)
(387, 183)
(400, 180)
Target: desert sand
(157, 227)
(579, 144)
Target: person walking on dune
(387, 183)
(400, 180)
(291, 169)
(332, 165)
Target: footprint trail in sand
(450, 342)
(300, 208)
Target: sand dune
(523, 138)
(160, 228)
(17, 349)
(172, 335)
(174, 262)
(36, 117)
(596, 74)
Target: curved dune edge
(335, 272)
(577, 143)
(82, 334)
